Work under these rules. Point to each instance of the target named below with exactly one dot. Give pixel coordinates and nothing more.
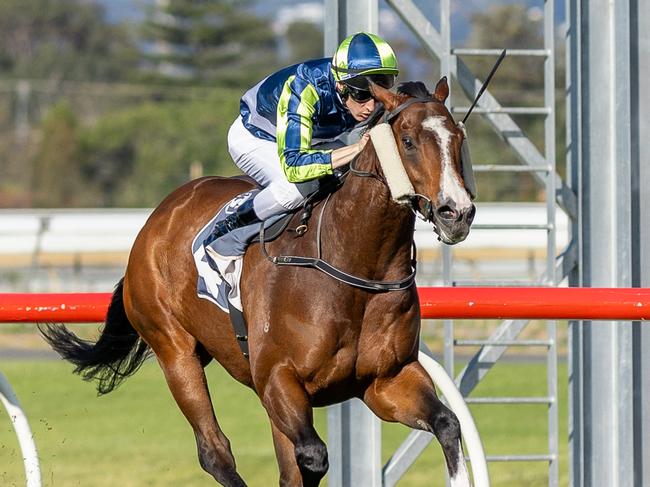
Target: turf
(136, 436)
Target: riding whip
(485, 84)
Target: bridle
(425, 212)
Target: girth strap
(236, 317)
(238, 324)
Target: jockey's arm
(344, 155)
(296, 106)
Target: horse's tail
(118, 353)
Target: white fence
(87, 249)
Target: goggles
(358, 88)
(357, 94)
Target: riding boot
(243, 215)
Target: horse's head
(429, 143)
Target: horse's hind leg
(186, 379)
(296, 441)
(410, 398)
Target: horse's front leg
(302, 455)
(285, 453)
(410, 398)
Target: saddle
(219, 273)
(315, 191)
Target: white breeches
(260, 160)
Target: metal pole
(603, 429)
(640, 126)
(574, 173)
(551, 251)
(354, 433)
(23, 94)
(354, 445)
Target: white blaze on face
(451, 187)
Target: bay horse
(314, 341)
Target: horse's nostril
(447, 213)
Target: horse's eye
(408, 143)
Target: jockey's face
(360, 111)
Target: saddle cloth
(227, 254)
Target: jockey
(285, 116)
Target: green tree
(63, 40)
(208, 41)
(305, 40)
(136, 157)
(52, 42)
(55, 181)
(520, 78)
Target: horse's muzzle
(451, 224)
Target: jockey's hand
(364, 140)
(342, 156)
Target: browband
(390, 116)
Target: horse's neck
(369, 231)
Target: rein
(355, 281)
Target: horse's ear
(442, 90)
(389, 99)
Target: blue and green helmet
(362, 56)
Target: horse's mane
(415, 89)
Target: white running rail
(468, 429)
(23, 432)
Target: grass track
(136, 436)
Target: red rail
(627, 304)
(53, 308)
